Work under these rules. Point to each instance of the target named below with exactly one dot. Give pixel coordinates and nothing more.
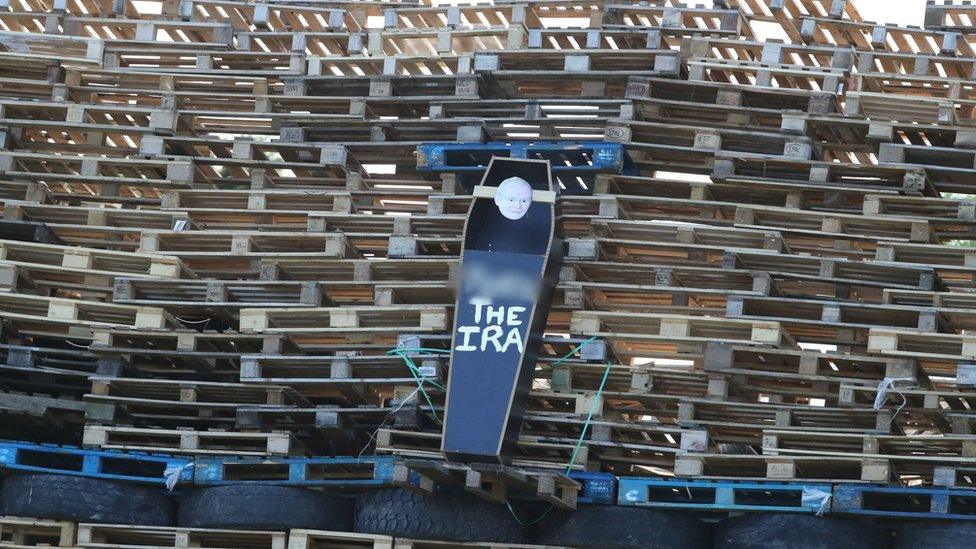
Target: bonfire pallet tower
(232, 232)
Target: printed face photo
(513, 198)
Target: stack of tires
(449, 516)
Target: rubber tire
(795, 531)
(82, 499)
(613, 527)
(943, 534)
(264, 507)
(448, 516)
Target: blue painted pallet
(721, 495)
(67, 460)
(913, 502)
(313, 471)
(570, 160)
(345, 471)
(596, 488)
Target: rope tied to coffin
(576, 449)
(421, 378)
(589, 418)
(418, 375)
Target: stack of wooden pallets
(220, 217)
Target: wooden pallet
(319, 539)
(495, 482)
(343, 320)
(663, 328)
(76, 318)
(102, 535)
(56, 361)
(163, 402)
(26, 532)
(870, 36)
(427, 446)
(174, 351)
(758, 467)
(191, 442)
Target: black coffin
(509, 267)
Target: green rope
(572, 351)
(420, 378)
(589, 417)
(579, 442)
(415, 370)
(531, 522)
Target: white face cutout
(513, 197)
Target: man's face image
(513, 198)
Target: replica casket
(509, 267)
